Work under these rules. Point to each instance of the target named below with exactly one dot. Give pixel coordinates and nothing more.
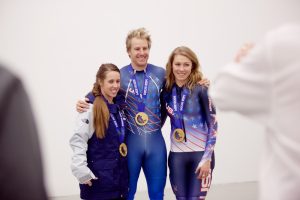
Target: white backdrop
(57, 46)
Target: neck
(109, 99)
(138, 68)
(180, 83)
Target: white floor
(234, 191)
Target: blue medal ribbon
(141, 97)
(178, 111)
(120, 130)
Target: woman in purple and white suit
(193, 126)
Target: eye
(111, 81)
(187, 64)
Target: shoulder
(286, 29)
(124, 69)
(8, 83)
(200, 90)
(286, 34)
(91, 97)
(7, 79)
(157, 72)
(156, 69)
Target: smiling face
(139, 53)
(110, 85)
(181, 68)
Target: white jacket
(265, 86)
(79, 144)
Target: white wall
(57, 46)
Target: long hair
(194, 77)
(100, 110)
(140, 33)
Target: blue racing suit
(200, 128)
(146, 145)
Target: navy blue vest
(106, 163)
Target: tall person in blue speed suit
(141, 85)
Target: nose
(141, 51)
(181, 68)
(115, 84)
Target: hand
(204, 170)
(205, 82)
(82, 106)
(89, 183)
(244, 50)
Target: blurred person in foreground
(266, 80)
(21, 172)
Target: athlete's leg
(198, 188)
(155, 166)
(135, 155)
(177, 166)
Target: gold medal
(141, 118)
(123, 149)
(178, 135)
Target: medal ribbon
(120, 130)
(140, 96)
(178, 111)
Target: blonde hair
(100, 110)
(194, 77)
(140, 33)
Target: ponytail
(101, 113)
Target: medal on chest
(141, 118)
(178, 133)
(121, 133)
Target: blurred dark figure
(21, 173)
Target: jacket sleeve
(212, 125)
(79, 143)
(245, 87)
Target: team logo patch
(85, 121)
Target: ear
(99, 82)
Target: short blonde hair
(194, 77)
(140, 33)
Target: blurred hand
(203, 171)
(244, 50)
(205, 82)
(82, 106)
(89, 183)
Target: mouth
(142, 58)
(181, 74)
(114, 91)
